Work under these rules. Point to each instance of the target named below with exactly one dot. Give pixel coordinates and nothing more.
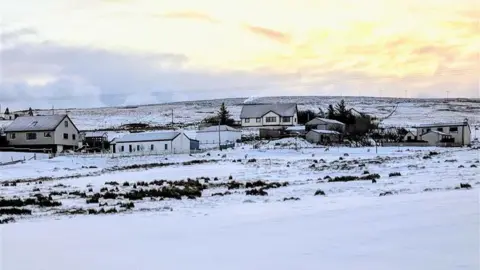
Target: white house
(212, 135)
(269, 115)
(55, 132)
(169, 142)
(460, 132)
(434, 137)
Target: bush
(94, 199)
(112, 183)
(370, 177)
(291, 199)
(126, 184)
(366, 172)
(252, 160)
(386, 193)
(394, 174)
(7, 220)
(256, 192)
(128, 205)
(319, 192)
(343, 179)
(15, 211)
(465, 186)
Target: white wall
(462, 136)
(252, 122)
(180, 145)
(70, 130)
(211, 137)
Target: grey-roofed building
(168, 142)
(325, 124)
(271, 115)
(53, 132)
(323, 136)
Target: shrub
(473, 166)
(461, 166)
(78, 193)
(126, 184)
(256, 192)
(128, 205)
(94, 199)
(15, 211)
(394, 174)
(343, 179)
(386, 193)
(110, 195)
(370, 177)
(112, 183)
(7, 220)
(366, 172)
(104, 189)
(251, 160)
(291, 199)
(465, 186)
(230, 177)
(235, 185)
(319, 192)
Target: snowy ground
(421, 212)
(14, 156)
(416, 232)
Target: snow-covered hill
(409, 111)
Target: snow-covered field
(14, 156)
(344, 208)
(409, 112)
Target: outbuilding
(323, 136)
(168, 142)
(325, 124)
(215, 134)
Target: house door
(130, 148)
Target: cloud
(271, 34)
(189, 15)
(85, 77)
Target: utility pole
(172, 117)
(53, 110)
(219, 141)
(447, 94)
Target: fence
(125, 154)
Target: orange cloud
(269, 33)
(190, 15)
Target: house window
(286, 119)
(138, 147)
(65, 136)
(166, 146)
(440, 129)
(247, 120)
(130, 148)
(13, 136)
(66, 123)
(47, 134)
(152, 147)
(454, 129)
(271, 119)
(31, 136)
(74, 137)
(259, 120)
(122, 148)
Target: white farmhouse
(269, 115)
(212, 135)
(169, 142)
(456, 133)
(55, 132)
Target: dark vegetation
(349, 178)
(394, 174)
(319, 192)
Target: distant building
(168, 142)
(325, 124)
(269, 115)
(55, 132)
(211, 135)
(95, 140)
(323, 136)
(458, 133)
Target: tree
(224, 115)
(30, 111)
(330, 112)
(7, 111)
(305, 116)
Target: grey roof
(215, 129)
(259, 110)
(443, 125)
(319, 120)
(319, 131)
(36, 123)
(148, 137)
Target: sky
(90, 53)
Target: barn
(169, 142)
